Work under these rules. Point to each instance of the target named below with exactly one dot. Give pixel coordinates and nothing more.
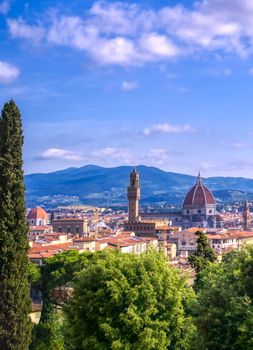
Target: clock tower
(133, 192)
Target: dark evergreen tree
(15, 304)
(202, 257)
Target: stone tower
(246, 216)
(133, 192)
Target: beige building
(186, 242)
(72, 226)
(229, 240)
(85, 244)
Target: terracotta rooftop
(199, 195)
(37, 213)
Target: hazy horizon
(131, 166)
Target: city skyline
(113, 83)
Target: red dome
(37, 213)
(199, 195)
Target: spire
(246, 214)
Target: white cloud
(61, 154)
(19, 29)
(110, 153)
(4, 7)
(129, 85)
(8, 72)
(158, 46)
(158, 156)
(168, 128)
(128, 34)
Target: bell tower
(133, 193)
(246, 216)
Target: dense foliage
(56, 278)
(15, 304)
(125, 301)
(202, 257)
(224, 312)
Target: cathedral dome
(199, 195)
(37, 213)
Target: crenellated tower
(133, 192)
(246, 216)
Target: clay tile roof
(52, 247)
(84, 239)
(199, 195)
(37, 213)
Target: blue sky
(162, 83)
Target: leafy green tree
(33, 274)
(58, 274)
(224, 311)
(126, 301)
(56, 279)
(50, 335)
(202, 257)
(15, 304)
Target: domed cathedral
(199, 206)
(37, 217)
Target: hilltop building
(198, 210)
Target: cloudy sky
(162, 83)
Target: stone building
(72, 226)
(246, 216)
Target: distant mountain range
(95, 185)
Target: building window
(199, 211)
(77, 229)
(68, 229)
(60, 229)
(183, 242)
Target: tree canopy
(126, 301)
(224, 311)
(202, 257)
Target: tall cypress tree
(15, 304)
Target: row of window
(200, 211)
(68, 229)
(141, 228)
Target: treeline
(125, 301)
